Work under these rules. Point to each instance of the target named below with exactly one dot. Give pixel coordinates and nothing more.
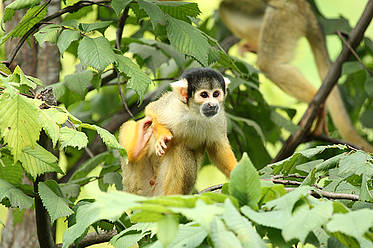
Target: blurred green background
(209, 175)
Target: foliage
(254, 209)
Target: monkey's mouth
(210, 113)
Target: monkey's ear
(181, 89)
(227, 82)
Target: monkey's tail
(334, 102)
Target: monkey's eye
(204, 94)
(216, 94)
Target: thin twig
(290, 182)
(330, 195)
(290, 175)
(92, 239)
(89, 152)
(121, 23)
(354, 53)
(211, 189)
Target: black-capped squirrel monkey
(271, 28)
(165, 148)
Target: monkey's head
(203, 90)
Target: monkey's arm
(222, 156)
(134, 136)
(161, 132)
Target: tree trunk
(44, 63)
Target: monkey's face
(208, 102)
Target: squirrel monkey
(271, 28)
(165, 147)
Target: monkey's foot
(161, 145)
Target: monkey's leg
(178, 171)
(162, 134)
(222, 156)
(134, 136)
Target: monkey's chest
(194, 134)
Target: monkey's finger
(162, 143)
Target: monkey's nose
(212, 106)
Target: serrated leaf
(96, 52)
(241, 227)
(319, 215)
(79, 81)
(113, 178)
(221, 237)
(154, 12)
(49, 119)
(19, 122)
(119, 5)
(55, 205)
(16, 197)
(89, 165)
(48, 33)
(126, 238)
(72, 137)
(139, 81)
(202, 213)
(37, 161)
(89, 27)
(187, 39)
(355, 163)
(23, 79)
(32, 16)
(10, 172)
(354, 223)
(188, 237)
(245, 183)
(275, 219)
(167, 228)
(89, 213)
(17, 5)
(287, 201)
(180, 10)
(65, 39)
(70, 190)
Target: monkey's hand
(161, 144)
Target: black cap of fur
(198, 76)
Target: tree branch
(43, 224)
(92, 239)
(329, 82)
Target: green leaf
(187, 39)
(89, 213)
(188, 237)
(119, 5)
(138, 81)
(154, 12)
(72, 137)
(17, 5)
(23, 79)
(32, 16)
(221, 237)
(89, 165)
(287, 201)
(70, 190)
(95, 52)
(202, 213)
(19, 122)
(108, 138)
(241, 227)
(16, 197)
(79, 81)
(295, 227)
(37, 161)
(367, 116)
(365, 194)
(355, 163)
(65, 39)
(245, 183)
(167, 228)
(180, 10)
(89, 27)
(274, 219)
(10, 172)
(353, 224)
(49, 119)
(351, 67)
(126, 238)
(48, 33)
(113, 178)
(55, 204)
(284, 123)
